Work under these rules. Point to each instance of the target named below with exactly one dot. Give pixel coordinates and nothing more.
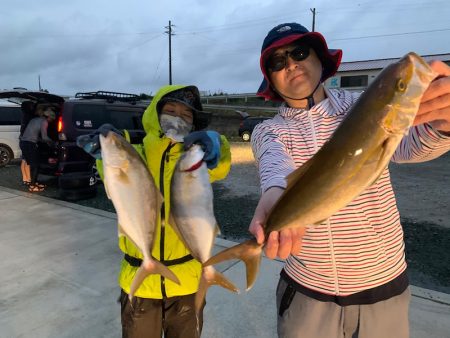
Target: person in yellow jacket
(173, 122)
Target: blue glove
(91, 142)
(210, 142)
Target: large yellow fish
(352, 159)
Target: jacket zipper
(164, 159)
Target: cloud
(96, 45)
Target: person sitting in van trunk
(172, 122)
(36, 131)
(28, 113)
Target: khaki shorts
(306, 317)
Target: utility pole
(169, 31)
(313, 10)
(39, 80)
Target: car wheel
(246, 136)
(6, 155)
(78, 194)
(76, 180)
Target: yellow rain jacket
(161, 158)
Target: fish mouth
(424, 71)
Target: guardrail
(242, 108)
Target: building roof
(381, 63)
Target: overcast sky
(88, 45)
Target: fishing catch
(193, 217)
(132, 190)
(353, 158)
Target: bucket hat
(287, 33)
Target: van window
(125, 118)
(86, 116)
(10, 116)
(93, 116)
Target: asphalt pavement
(59, 279)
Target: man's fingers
(297, 240)
(259, 235)
(271, 247)
(440, 67)
(438, 87)
(442, 114)
(439, 102)
(285, 243)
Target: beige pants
(309, 318)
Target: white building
(358, 75)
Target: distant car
(10, 118)
(248, 124)
(77, 116)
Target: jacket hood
(150, 120)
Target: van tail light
(61, 135)
(241, 124)
(60, 124)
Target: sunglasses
(278, 61)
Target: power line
(392, 34)
(242, 24)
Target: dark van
(83, 114)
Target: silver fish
(137, 201)
(193, 216)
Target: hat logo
(284, 29)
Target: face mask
(174, 127)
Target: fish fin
(388, 147)
(149, 267)
(294, 176)
(173, 223)
(175, 228)
(211, 276)
(249, 252)
(159, 198)
(106, 191)
(120, 230)
(217, 230)
(122, 175)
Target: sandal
(27, 183)
(35, 188)
(41, 185)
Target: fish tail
(211, 276)
(249, 252)
(149, 267)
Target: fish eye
(401, 85)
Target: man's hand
(91, 142)
(210, 142)
(278, 244)
(435, 104)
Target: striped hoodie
(360, 247)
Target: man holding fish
(160, 273)
(345, 272)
